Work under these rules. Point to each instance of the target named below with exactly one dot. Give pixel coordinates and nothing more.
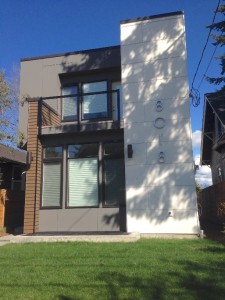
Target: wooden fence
(211, 203)
(11, 209)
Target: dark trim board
(71, 53)
(177, 13)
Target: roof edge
(14, 155)
(69, 53)
(176, 13)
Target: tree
(8, 110)
(219, 41)
(198, 188)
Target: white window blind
(83, 182)
(51, 184)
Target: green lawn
(148, 269)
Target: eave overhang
(12, 155)
(214, 104)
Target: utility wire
(194, 93)
(204, 75)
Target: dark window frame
(48, 161)
(76, 84)
(101, 157)
(108, 157)
(107, 92)
(80, 101)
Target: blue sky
(40, 27)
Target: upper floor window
(95, 104)
(117, 104)
(97, 100)
(69, 104)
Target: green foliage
(8, 112)
(198, 188)
(148, 269)
(218, 35)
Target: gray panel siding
(80, 219)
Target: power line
(204, 75)
(194, 93)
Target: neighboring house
(212, 199)
(213, 135)
(110, 135)
(13, 164)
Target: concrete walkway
(70, 237)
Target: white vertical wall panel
(160, 195)
(160, 68)
(146, 51)
(155, 89)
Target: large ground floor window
(82, 170)
(91, 175)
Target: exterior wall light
(161, 157)
(129, 151)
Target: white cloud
(197, 159)
(203, 174)
(196, 138)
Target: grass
(148, 269)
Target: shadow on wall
(87, 63)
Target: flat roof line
(70, 53)
(152, 17)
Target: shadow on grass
(204, 281)
(61, 297)
(124, 287)
(195, 281)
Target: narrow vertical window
(116, 85)
(113, 174)
(51, 179)
(69, 104)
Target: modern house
(110, 135)
(213, 135)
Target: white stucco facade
(160, 186)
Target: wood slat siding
(49, 116)
(33, 178)
(212, 203)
